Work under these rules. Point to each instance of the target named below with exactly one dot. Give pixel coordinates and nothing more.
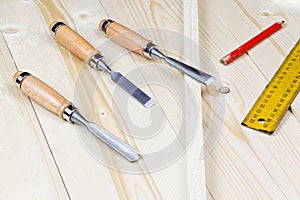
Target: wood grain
(27, 165)
(103, 99)
(37, 43)
(177, 189)
(125, 37)
(74, 42)
(43, 94)
(46, 158)
(195, 161)
(244, 163)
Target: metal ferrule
(68, 112)
(148, 48)
(21, 77)
(57, 26)
(105, 24)
(155, 53)
(98, 63)
(95, 59)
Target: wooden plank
(242, 164)
(280, 44)
(153, 184)
(194, 153)
(28, 170)
(195, 160)
(151, 14)
(245, 163)
(35, 50)
(63, 71)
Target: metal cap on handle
(42, 93)
(124, 36)
(72, 41)
(50, 99)
(135, 42)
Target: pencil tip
(283, 23)
(223, 62)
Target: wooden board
(195, 160)
(27, 164)
(58, 160)
(75, 151)
(245, 164)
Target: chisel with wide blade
(50, 99)
(86, 52)
(144, 47)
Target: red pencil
(251, 43)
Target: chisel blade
(133, 90)
(190, 71)
(117, 144)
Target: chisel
(86, 52)
(50, 99)
(144, 47)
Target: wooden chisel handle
(73, 41)
(41, 93)
(124, 36)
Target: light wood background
(43, 157)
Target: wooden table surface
(44, 157)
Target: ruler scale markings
(277, 97)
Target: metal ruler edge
(275, 100)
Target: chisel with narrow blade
(50, 99)
(86, 52)
(144, 47)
